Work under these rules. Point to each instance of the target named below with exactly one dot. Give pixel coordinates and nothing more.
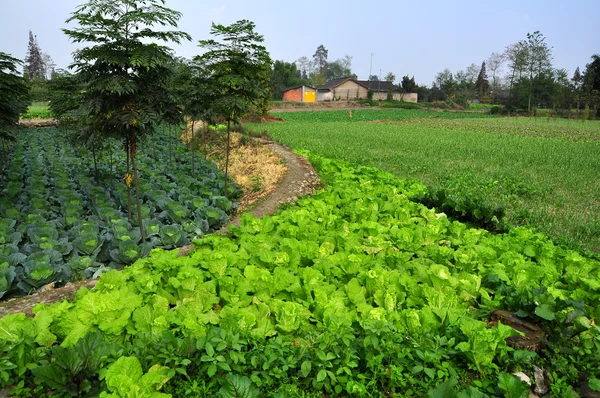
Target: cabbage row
(356, 291)
(58, 222)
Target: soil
(300, 179)
(38, 122)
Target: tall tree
(14, 99)
(390, 77)
(517, 55)
(237, 67)
(482, 84)
(408, 84)
(34, 63)
(337, 69)
(125, 71)
(444, 81)
(539, 60)
(591, 84)
(320, 58)
(494, 63)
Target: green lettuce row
(361, 257)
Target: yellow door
(310, 96)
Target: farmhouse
(299, 93)
(348, 89)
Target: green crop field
(38, 110)
(544, 172)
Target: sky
(415, 38)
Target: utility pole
(371, 68)
(380, 79)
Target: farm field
(356, 291)
(38, 110)
(544, 172)
(58, 222)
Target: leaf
(321, 375)
(237, 386)
(544, 311)
(444, 390)
(305, 368)
(513, 386)
(594, 384)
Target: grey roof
(377, 85)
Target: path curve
(300, 179)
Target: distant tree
(539, 60)
(337, 69)
(238, 68)
(482, 84)
(124, 71)
(49, 65)
(445, 83)
(390, 77)
(494, 63)
(577, 84)
(34, 63)
(591, 84)
(408, 84)
(320, 58)
(373, 78)
(283, 75)
(346, 63)
(305, 66)
(517, 56)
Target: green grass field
(544, 171)
(38, 110)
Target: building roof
(295, 87)
(336, 82)
(376, 85)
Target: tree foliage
(14, 94)
(123, 69)
(34, 62)
(237, 68)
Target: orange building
(299, 94)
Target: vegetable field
(59, 223)
(356, 291)
(541, 173)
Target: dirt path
(300, 179)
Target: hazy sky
(417, 38)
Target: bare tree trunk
(227, 158)
(137, 189)
(95, 163)
(128, 187)
(170, 149)
(192, 147)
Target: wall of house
(349, 90)
(293, 95)
(406, 97)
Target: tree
(373, 78)
(34, 63)
(283, 75)
(124, 72)
(337, 69)
(494, 63)
(517, 55)
(320, 58)
(390, 77)
(65, 94)
(14, 99)
(444, 81)
(305, 66)
(237, 67)
(539, 60)
(408, 84)
(482, 84)
(591, 84)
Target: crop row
(356, 291)
(59, 223)
(363, 115)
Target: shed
(299, 94)
(341, 89)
